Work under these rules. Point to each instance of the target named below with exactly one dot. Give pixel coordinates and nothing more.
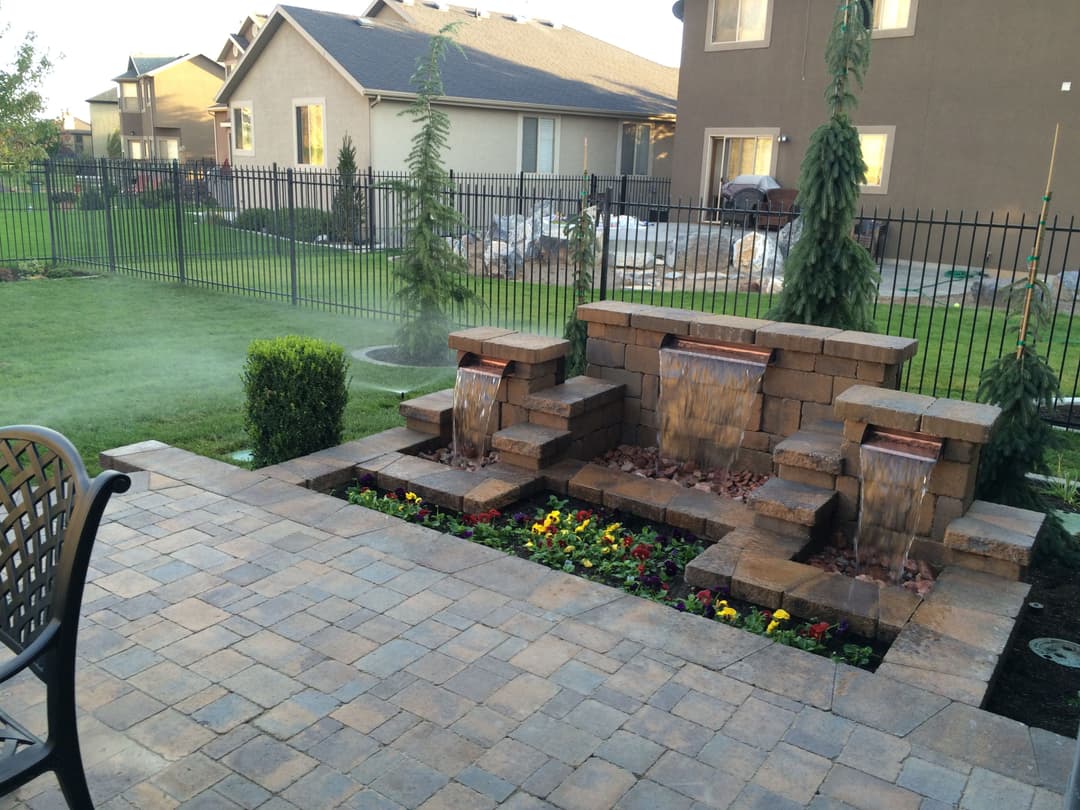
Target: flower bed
(601, 546)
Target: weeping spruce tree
(829, 278)
(430, 274)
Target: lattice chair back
(49, 516)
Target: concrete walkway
(247, 643)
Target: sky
(89, 42)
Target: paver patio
(250, 644)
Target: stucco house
(523, 94)
(163, 106)
(231, 52)
(104, 119)
(957, 112)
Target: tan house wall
(181, 95)
(104, 120)
(974, 96)
(291, 69)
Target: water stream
(475, 394)
(893, 487)
(705, 400)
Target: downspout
(371, 128)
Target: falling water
(893, 487)
(475, 394)
(705, 400)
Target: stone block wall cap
(883, 407)
(801, 337)
(955, 419)
(615, 313)
(876, 348)
(727, 327)
(664, 319)
(525, 348)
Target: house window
(537, 145)
(169, 148)
(135, 150)
(129, 97)
(739, 24)
(310, 135)
(733, 152)
(894, 18)
(877, 147)
(242, 130)
(635, 149)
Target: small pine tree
(430, 274)
(1022, 386)
(829, 278)
(346, 207)
(114, 148)
(581, 237)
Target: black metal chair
(49, 515)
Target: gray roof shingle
(501, 60)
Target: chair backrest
(49, 515)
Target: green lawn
(113, 360)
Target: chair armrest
(37, 648)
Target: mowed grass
(113, 360)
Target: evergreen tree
(581, 237)
(829, 278)
(346, 208)
(114, 148)
(429, 272)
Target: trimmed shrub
(311, 223)
(255, 219)
(296, 391)
(92, 200)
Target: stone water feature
(707, 390)
(476, 392)
(823, 394)
(895, 469)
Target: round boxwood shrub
(296, 391)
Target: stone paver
(245, 644)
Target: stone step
(792, 502)
(574, 397)
(997, 531)
(531, 441)
(815, 448)
(715, 566)
(432, 413)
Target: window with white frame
(310, 133)
(168, 148)
(538, 144)
(243, 131)
(894, 18)
(636, 141)
(739, 24)
(877, 148)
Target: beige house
(104, 120)
(523, 95)
(231, 52)
(163, 107)
(958, 110)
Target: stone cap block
(730, 328)
(979, 591)
(472, 340)
(811, 450)
(437, 407)
(883, 407)
(574, 397)
(532, 441)
(895, 607)
(765, 580)
(993, 530)
(525, 348)
(490, 494)
(714, 567)
(833, 597)
(967, 421)
(800, 337)
(614, 313)
(873, 348)
(792, 502)
(664, 319)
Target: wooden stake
(1033, 259)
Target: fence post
(623, 191)
(52, 213)
(371, 207)
(605, 213)
(179, 209)
(521, 192)
(110, 238)
(277, 205)
(294, 283)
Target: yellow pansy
(728, 613)
(781, 614)
(587, 563)
(772, 626)
(569, 549)
(605, 550)
(530, 544)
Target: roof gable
(501, 62)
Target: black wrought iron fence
(306, 238)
